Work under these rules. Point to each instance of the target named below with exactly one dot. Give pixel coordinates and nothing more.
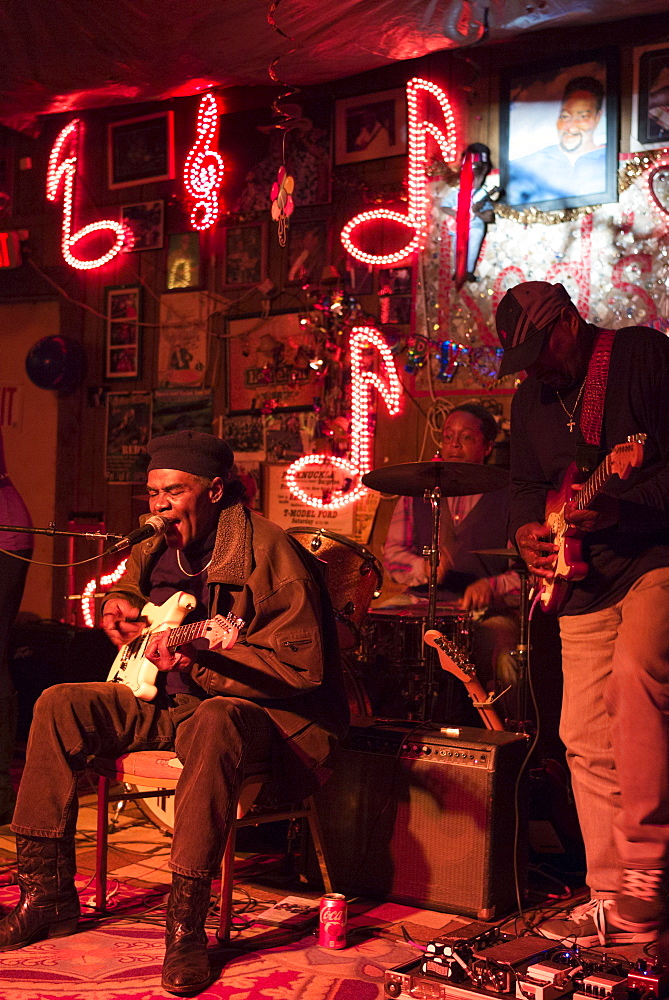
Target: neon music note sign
(416, 218)
(362, 382)
(65, 170)
(203, 169)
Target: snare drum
(393, 654)
(354, 577)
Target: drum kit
(393, 637)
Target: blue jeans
(615, 727)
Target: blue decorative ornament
(56, 363)
(416, 355)
(450, 355)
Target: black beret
(191, 451)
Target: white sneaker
(592, 923)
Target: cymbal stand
(520, 654)
(433, 496)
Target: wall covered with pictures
(234, 309)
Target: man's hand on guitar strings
(122, 621)
(537, 551)
(162, 657)
(603, 512)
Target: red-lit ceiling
(60, 55)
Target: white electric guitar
(452, 659)
(131, 666)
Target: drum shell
(353, 576)
(392, 656)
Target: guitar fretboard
(596, 481)
(592, 486)
(186, 633)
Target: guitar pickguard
(131, 666)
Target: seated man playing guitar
(274, 697)
(600, 556)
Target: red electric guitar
(452, 659)
(570, 565)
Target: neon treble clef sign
(362, 383)
(416, 218)
(203, 169)
(65, 170)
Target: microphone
(154, 525)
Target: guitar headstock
(627, 456)
(222, 632)
(451, 657)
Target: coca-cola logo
(332, 918)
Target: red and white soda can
(332, 922)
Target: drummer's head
(469, 434)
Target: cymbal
(454, 479)
(506, 553)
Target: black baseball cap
(523, 319)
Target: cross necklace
(571, 422)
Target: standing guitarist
(586, 392)
(274, 699)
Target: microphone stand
(433, 496)
(96, 536)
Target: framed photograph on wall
(559, 133)
(141, 150)
(307, 248)
(268, 360)
(370, 126)
(650, 97)
(122, 349)
(145, 220)
(244, 255)
(183, 261)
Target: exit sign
(10, 253)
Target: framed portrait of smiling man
(559, 133)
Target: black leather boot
(186, 967)
(49, 904)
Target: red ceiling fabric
(75, 54)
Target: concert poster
(128, 433)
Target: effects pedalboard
(477, 961)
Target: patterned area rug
(118, 956)
(121, 960)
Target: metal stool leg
(101, 845)
(227, 876)
(317, 837)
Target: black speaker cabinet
(426, 816)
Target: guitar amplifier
(426, 816)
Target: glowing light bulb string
(418, 92)
(363, 381)
(204, 167)
(61, 176)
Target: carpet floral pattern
(117, 958)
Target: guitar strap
(592, 411)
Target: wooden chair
(159, 770)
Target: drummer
(467, 580)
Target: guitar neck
(186, 633)
(594, 484)
(478, 696)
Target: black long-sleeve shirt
(542, 447)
